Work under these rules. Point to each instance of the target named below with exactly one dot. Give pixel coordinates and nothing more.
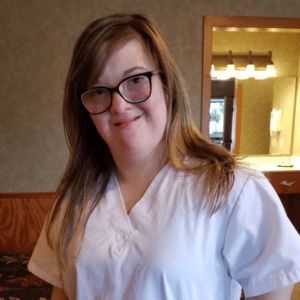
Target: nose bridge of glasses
(118, 100)
(116, 90)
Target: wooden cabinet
(287, 185)
(285, 182)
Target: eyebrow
(127, 73)
(133, 69)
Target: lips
(124, 120)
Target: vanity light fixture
(250, 70)
(270, 70)
(212, 71)
(242, 66)
(230, 69)
(241, 74)
(259, 75)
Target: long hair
(90, 163)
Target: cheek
(161, 111)
(157, 104)
(100, 123)
(156, 112)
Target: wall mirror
(254, 114)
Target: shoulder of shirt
(248, 182)
(244, 174)
(241, 173)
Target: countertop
(273, 163)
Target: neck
(139, 167)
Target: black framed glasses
(133, 89)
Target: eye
(99, 91)
(136, 80)
(135, 83)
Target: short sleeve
(44, 262)
(262, 247)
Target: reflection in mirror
(222, 113)
(264, 117)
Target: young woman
(147, 208)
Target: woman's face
(140, 127)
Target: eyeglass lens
(134, 89)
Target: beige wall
(37, 37)
(255, 119)
(284, 100)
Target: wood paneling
(22, 216)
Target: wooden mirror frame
(229, 21)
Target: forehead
(126, 57)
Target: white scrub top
(169, 248)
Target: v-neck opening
(124, 225)
(145, 203)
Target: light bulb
(213, 72)
(223, 76)
(241, 74)
(230, 70)
(270, 70)
(250, 70)
(261, 75)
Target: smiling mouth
(124, 123)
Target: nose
(119, 105)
